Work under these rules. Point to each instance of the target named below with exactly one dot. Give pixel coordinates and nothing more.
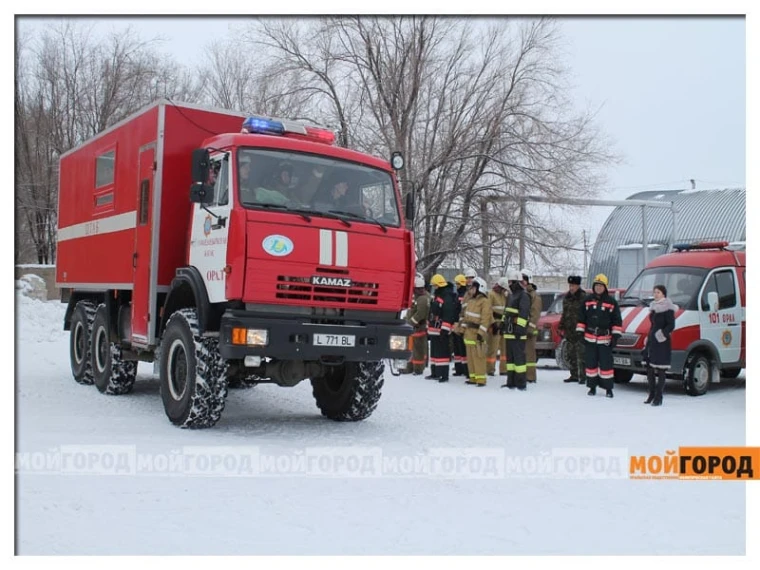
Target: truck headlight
(397, 342)
(251, 337)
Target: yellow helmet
(601, 278)
(438, 280)
(460, 280)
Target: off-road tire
(193, 374)
(111, 374)
(79, 341)
(350, 392)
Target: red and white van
(708, 283)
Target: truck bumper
(544, 345)
(293, 339)
(631, 360)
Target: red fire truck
(232, 249)
(708, 283)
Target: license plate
(339, 340)
(621, 360)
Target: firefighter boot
(591, 385)
(444, 377)
(651, 383)
(659, 388)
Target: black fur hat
(574, 280)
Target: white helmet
(419, 281)
(469, 272)
(503, 282)
(481, 283)
(526, 273)
(514, 275)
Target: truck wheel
(349, 392)
(112, 375)
(193, 374)
(699, 373)
(79, 341)
(623, 376)
(730, 372)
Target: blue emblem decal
(277, 245)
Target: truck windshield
(316, 185)
(682, 284)
(555, 307)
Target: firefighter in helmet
(535, 313)
(497, 296)
(601, 325)
(418, 317)
(515, 327)
(476, 319)
(440, 322)
(457, 342)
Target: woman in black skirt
(657, 353)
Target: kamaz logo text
(330, 281)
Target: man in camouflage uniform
(574, 349)
(417, 317)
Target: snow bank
(32, 286)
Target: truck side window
(220, 177)
(726, 289)
(104, 169)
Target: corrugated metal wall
(701, 215)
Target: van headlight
(397, 342)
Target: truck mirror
(201, 193)
(201, 162)
(712, 301)
(410, 206)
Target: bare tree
(70, 85)
(479, 111)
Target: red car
(549, 339)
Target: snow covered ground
(344, 510)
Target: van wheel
(112, 374)
(623, 376)
(699, 372)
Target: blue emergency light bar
(701, 245)
(260, 125)
(267, 126)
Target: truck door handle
(733, 324)
(134, 260)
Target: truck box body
(128, 230)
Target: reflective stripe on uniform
(521, 322)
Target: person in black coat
(662, 321)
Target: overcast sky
(671, 91)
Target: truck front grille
(301, 289)
(628, 340)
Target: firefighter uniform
(601, 325)
(440, 322)
(530, 344)
(574, 344)
(496, 343)
(457, 341)
(417, 317)
(515, 326)
(476, 320)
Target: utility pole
(585, 255)
(485, 237)
(522, 234)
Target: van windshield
(316, 185)
(682, 284)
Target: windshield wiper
(361, 218)
(303, 213)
